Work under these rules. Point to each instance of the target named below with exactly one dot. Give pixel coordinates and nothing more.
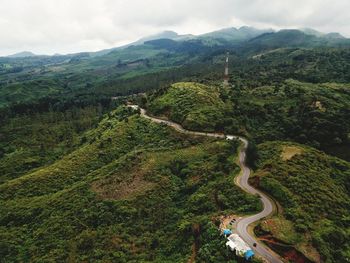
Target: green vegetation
(84, 180)
(313, 114)
(313, 189)
(195, 106)
(132, 191)
(264, 60)
(30, 141)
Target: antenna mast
(226, 77)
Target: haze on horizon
(69, 26)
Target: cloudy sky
(67, 26)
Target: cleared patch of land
(289, 151)
(114, 189)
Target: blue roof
(227, 232)
(249, 254)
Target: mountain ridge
(218, 37)
(22, 54)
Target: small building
(227, 232)
(237, 245)
(249, 254)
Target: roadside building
(238, 246)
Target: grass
(289, 151)
(281, 229)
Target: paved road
(241, 181)
(242, 225)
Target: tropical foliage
(314, 190)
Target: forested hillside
(131, 191)
(195, 106)
(313, 114)
(85, 179)
(158, 63)
(314, 191)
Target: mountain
(162, 35)
(253, 38)
(293, 38)
(232, 33)
(219, 37)
(334, 35)
(304, 37)
(23, 54)
(313, 32)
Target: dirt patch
(228, 222)
(255, 181)
(318, 105)
(307, 249)
(278, 234)
(281, 229)
(113, 188)
(289, 253)
(289, 151)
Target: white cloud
(64, 26)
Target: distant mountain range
(234, 34)
(22, 54)
(310, 31)
(230, 36)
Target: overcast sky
(67, 26)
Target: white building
(237, 245)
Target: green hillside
(195, 106)
(313, 114)
(314, 191)
(29, 141)
(132, 191)
(84, 179)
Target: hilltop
(195, 106)
(23, 54)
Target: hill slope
(314, 191)
(195, 106)
(134, 191)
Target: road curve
(241, 181)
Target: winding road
(241, 181)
